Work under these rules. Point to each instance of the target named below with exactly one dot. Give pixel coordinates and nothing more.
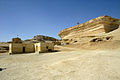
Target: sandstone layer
(90, 29)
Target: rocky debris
(4, 47)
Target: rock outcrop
(4, 47)
(44, 38)
(90, 29)
(39, 38)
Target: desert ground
(66, 64)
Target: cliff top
(101, 19)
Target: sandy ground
(66, 65)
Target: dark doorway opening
(46, 47)
(50, 50)
(23, 49)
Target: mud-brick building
(21, 48)
(16, 46)
(44, 47)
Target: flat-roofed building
(44, 47)
(16, 46)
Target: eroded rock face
(100, 39)
(89, 29)
(39, 38)
(44, 38)
(4, 47)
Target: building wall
(37, 47)
(15, 48)
(16, 40)
(21, 48)
(29, 48)
(44, 47)
(50, 46)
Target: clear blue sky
(28, 18)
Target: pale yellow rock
(92, 28)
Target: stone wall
(15, 48)
(21, 48)
(44, 47)
(29, 48)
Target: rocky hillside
(94, 30)
(39, 38)
(4, 47)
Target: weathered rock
(99, 39)
(4, 47)
(90, 29)
(39, 38)
(44, 38)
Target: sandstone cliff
(92, 29)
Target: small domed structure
(16, 40)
